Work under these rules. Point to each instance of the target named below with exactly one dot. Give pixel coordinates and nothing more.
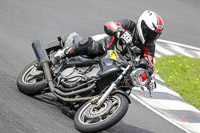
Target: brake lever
(148, 87)
(150, 93)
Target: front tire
(88, 119)
(31, 81)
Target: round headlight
(137, 79)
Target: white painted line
(197, 52)
(158, 113)
(175, 105)
(163, 50)
(160, 107)
(181, 50)
(195, 127)
(157, 55)
(178, 44)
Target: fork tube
(112, 86)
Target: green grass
(182, 74)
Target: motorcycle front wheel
(31, 80)
(90, 118)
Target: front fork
(113, 86)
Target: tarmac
(166, 102)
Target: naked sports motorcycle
(97, 88)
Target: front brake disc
(93, 111)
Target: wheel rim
(31, 75)
(90, 114)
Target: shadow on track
(120, 127)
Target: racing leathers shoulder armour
(110, 28)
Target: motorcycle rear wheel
(89, 119)
(28, 81)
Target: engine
(74, 76)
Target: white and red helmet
(150, 26)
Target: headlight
(136, 78)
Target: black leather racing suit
(96, 48)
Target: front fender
(123, 93)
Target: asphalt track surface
(23, 21)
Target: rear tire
(30, 88)
(81, 120)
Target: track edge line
(178, 44)
(158, 113)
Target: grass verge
(182, 74)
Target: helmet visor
(149, 35)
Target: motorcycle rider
(140, 36)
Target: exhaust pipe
(39, 52)
(43, 60)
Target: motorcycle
(97, 89)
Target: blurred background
(22, 21)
